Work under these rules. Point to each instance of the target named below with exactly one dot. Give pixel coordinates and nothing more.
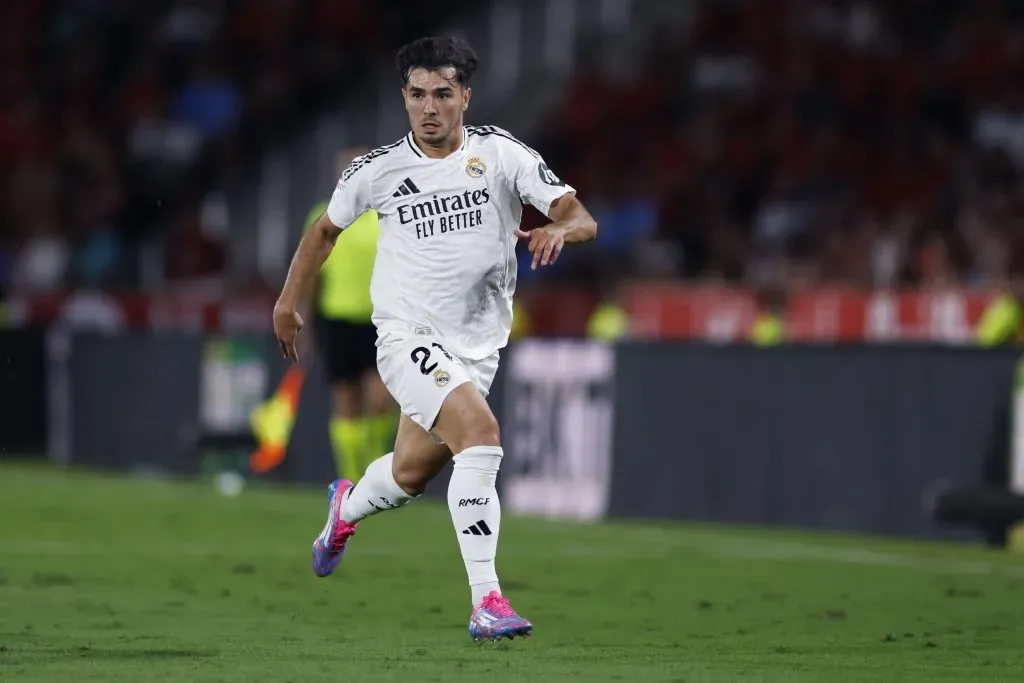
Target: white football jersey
(446, 255)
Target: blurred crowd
(771, 142)
(787, 142)
(120, 120)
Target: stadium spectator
(858, 143)
(855, 142)
(117, 118)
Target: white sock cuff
(485, 458)
(386, 462)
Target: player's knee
(411, 476)
(466, 420)
(481, 430)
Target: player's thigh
(412, 442)
(466, 420)
(420, 374)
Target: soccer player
(449, 199)
(361, 425)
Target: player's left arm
(537, 185)
(570, 223)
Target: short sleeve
(352, 196)
(534, 182)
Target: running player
(449, 199)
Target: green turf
(110, 579)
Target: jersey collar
(416, 150)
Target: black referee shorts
(348, 349)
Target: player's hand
(287, 325)
(545, 244)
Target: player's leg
(382, 412)
(435, 390)
(468, 426)
(394, 479)
(378, 405)
(378, 490)
(420, 395)
(346, 430)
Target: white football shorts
(420, 372)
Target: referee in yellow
(363, 418)
(1002, 323)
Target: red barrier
(822, 315)
(657, 311)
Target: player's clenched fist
(287, 324)
(545, 244)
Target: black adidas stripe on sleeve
(366, 160)
(501, 133)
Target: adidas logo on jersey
(407, 188)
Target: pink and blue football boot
(330, 544)
(495, 619)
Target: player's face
(435, 102)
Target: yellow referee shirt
(768, 330)
(345, 277)
(1001, 322)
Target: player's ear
(466, 95)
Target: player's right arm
(350, 200)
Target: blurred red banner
(725, 314)
(657, 311)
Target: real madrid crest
(441, 377)
(475, 167)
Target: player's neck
(446, 148)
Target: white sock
(375, 492)
(476, 513)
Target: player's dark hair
(437, 52)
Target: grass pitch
(104, 578)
